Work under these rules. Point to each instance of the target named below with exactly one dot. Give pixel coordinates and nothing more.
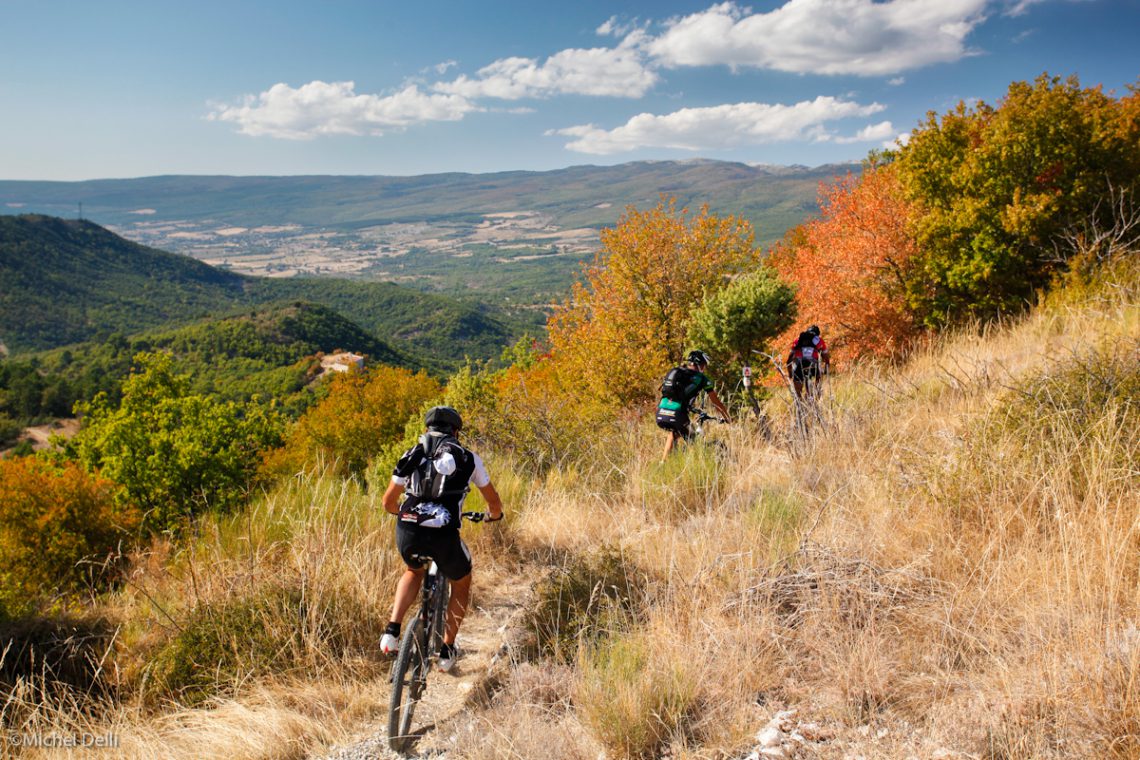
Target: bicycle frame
(421, 640)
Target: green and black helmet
(698, 357)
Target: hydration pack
(441, 456)
(678, 384)
(807, 344)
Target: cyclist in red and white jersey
(808, 359)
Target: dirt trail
(40, 435)
(491, 629)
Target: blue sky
(126, 89)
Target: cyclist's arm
(481, 480)
(494, 503)
(391, 498)
(717, 403)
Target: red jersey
(814, 352)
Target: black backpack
(806, 340)
(677, 385)
(426, 481)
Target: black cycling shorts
(674, 421)
(804, 369)
(441, 544)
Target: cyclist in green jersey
(681, 388)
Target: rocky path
(492, 628)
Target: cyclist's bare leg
(406, 590)
(799, 388)
(456, 607)
(670, 442)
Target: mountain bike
(418, 648)
(806, 409)
(743, 389)
(702, 418)
(699, 433)
(808, 412)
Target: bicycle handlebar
(477, 517)
(705, 417)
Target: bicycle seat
(424, 559)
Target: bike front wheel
(409, 678)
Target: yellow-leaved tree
(362, 413)
(627, 322)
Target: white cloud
(616, 27)
(870, 133)
(442, 67)
(617, 72)
(1021, 7)
(333, 108)
(862, 37)
(896, 81)
(608, 27)
(717, 127)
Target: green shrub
(689, 482)
(777, 515)
(745, 315)
(1062, 406)
(9, 429)
(173, 453)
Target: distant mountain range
(67, 281)
(507, 238)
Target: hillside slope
(269, 353)
(64, 281)
(69, 281)
(946, 567)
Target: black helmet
(443, 419)
(698, 357)
(814, 330)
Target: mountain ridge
(510, 238)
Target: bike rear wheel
(409, 677)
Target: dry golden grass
(921, 559)
(280, 719)
(952, 559)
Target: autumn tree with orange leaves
(851, 265)
(627, 322)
